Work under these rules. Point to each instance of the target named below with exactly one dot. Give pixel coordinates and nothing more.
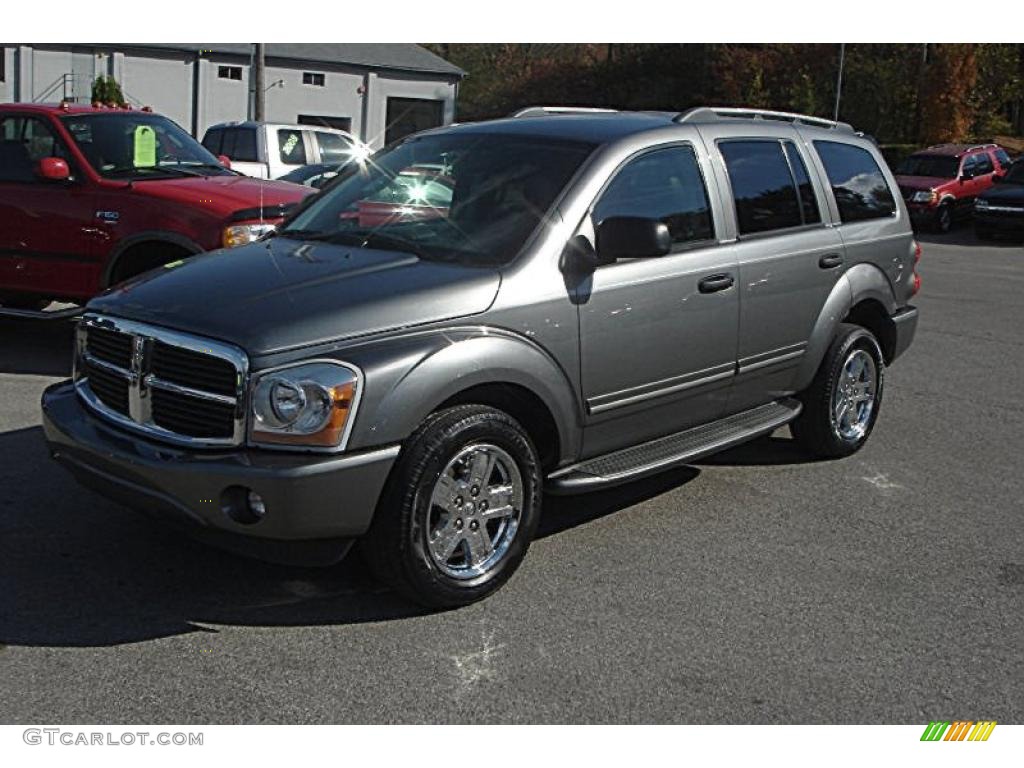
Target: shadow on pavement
(40, 347)
(77, 570)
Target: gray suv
(555, 302)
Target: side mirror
(578, 258)
(225, 161)
(54, 169)
(966, 176)
(632, 237)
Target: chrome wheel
(475, 508)
(853, 402)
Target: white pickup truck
(270, 150)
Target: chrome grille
(169, 385)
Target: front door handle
(830, 260)
(715, 283)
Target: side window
(969, 165)
(762, 185)
(1003, 158)
(24, 141)
(665, 184)
(245, 145)
(212, 140)
(293, 150)
(983, 164)
(334, 148)
(808, 204)
(857, 182)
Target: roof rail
(713, 114)
(542, 111)
(981, 146)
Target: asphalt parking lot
(753, 587)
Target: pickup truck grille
(169, 385)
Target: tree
(106, 90)
(947, 107)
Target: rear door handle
(715, 283)
(830, 260)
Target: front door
(657, 337)
(48, 242)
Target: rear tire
(459, 510)
(842, 403)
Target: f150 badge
(109, 217)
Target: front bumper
(1008, 222)
(315, 505)
(905, 321)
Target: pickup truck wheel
(459, 509)
(944, 218)
(842, 403)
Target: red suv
(940, 183)
(90, 196)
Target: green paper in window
(145, 147)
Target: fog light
(256, 505)
(242, 505)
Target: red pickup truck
(90, 196)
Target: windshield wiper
(359, 237)
(152, 168)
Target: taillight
(917, 277)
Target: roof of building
(403, 57)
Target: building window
(327, 121)
(229, 73)
(313, 78)
(3, 65)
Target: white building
(378, 91)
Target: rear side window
(808, 203)
(857, 182)
(244, 149)
(762, 186)
(1002, 157)
(212, 140)
(24, 141)
(293, 150)
(665, 184)
(334, 148)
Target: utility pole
(259, 75)
(839, 80)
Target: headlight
(980, 203)
(924, 196)
(310, 405)
(241, 234)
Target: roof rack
(714, 114)
(543, 111)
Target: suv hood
(280, 293)
(1004, 193)
(224, 193)
(918, 183)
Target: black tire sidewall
(944, 213)
(425, 456)
(842, 348)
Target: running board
(648, 458)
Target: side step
(648, 458)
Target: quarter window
(857, 182)
(667, 185)
(293, 150)
(762, 186)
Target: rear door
(49, 239)
(789, 255)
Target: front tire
(944, 218)
(459, 510)
(841, 406)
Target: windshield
(939, 166)
(139, 145)
(465, 196)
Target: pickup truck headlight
(241, 234)
(310, 405)
(924, 196)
